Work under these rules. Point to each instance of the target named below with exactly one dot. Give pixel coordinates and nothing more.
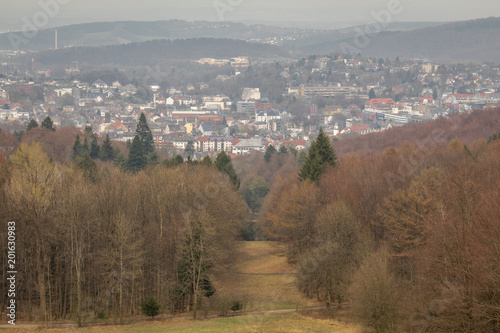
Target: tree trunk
(41, 282)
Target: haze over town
(324, 14)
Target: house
(245, 107)
(295, 144)
(172, 129)
(100, 84)
(119, 126)
(42, 72)
(170, 101)
(181, 143)
(214, 144)
(206, 129)
(250, 94)
(246, 146)
(382, 104)
(266, 116)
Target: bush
(102, 315)
(150, 307)
(374, 294)
(236, 306)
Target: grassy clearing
(271, 323)
(261, 278)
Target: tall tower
(32, 65)
(56, 40)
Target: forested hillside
(156, 51)
(467, 127)
(408, 236)
(96, 247)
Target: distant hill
(156, 51)
(113, 33)
(476, 41)
(324, 41)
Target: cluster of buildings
(344, 96)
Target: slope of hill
(480, 124)
(153, 52)
(112, 33)
(322, 41)
(475, 40)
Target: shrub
(150, 307)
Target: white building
(246, 146)
(250, 93)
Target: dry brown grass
(261, 278)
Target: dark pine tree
(190, 148)
(136, 158)
(223, 164)
(150, 307)
(435, 95)
(174, 161)
(145, 135)
(283, 150)
(86, 147)
(32, 124)
(106, 152)
(19, 135)
(120, 161)
(87, 164)
(94, 148)
(321, 155)
(48, 124)
(372, 94)
(270, 151)
(77, 148)
(207, 161)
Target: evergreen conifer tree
(120, 161)
(150, 307)
(106, 152)
(372, 94)
(270, 151)
(77, 148)
(223, 164)
(190, 148)
(136, 158)
(321, 155)
(48, 124)
(86, 146)
(87, 164)
(207, 161)
(94, 148)
(145, 135)
(32, 124)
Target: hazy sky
(318, 13)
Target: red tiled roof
(381, 101)
(429, 99)
(117, 124)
